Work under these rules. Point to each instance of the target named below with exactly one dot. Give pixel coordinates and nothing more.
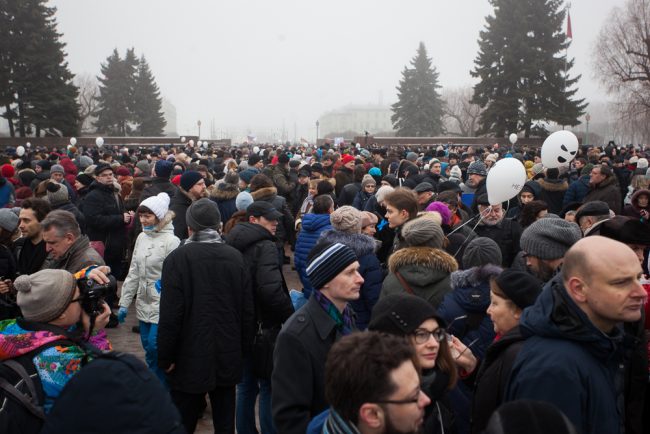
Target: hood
(534, 186)
(471, 288)
(16, 341)
(315, 222)
(244, 235)
(224, 191)
(264, 193)
(553, 184)
(635, 198)
(555, 315)
(165, 225)
(361, 244)
(423, 257)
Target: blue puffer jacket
(470, 295)
(577, 191)
(312, 226)
(370, 269)
(569, 363)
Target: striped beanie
(327, 261)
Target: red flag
(569, 33)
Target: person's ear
(577, 289)
(371, 415)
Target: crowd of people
(422, 306)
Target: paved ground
(123, 339)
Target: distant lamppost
(587, 118)
(198, 124)
(317, 125)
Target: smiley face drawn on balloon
(561, 159)
(559, 149)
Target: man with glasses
(504, 231)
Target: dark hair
(145, 210)
(359, 171)
(260, 181)
(529, 212)
(553, 173)
(322, 204)
(605, 170)
(324, 187)
(449, 196)
(358, 370)
(41, 207)
(403, 199)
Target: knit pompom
(23, 284)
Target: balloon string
(486, 211)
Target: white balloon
(191, 143)
(358, 146)
(256, 149)
(559, 149)
(99, 141)
(505, 180)
(73, 141)
(69, 147)
(29, 145)
(183, 139)
(513, 138)
(20, 151)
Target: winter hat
(283, 158)
(519, 286)
(382, 192)
(626, 230)
(374, 171)
(7, 171)
(203, 214)
(367, 180)
(593, 208)
(442, 209)
(326, 261)
(412, 157)
(85, 179)
(423, 186)
(122, 171)
(101, 167)
(57, 194)
(9, 219)
(477, 168)
(401, 314)
(85, 161)
(549, 238)
(492, 157)
(368, 218)
(481, 251)
(43, 296)
(641, 164)
(422, 232)
(365, 153)
(158, 204)
(243, 200)
(346, 219)
(456, 173)
(163, 168)
(144, 167)
(44, 164)
(189, 179)
(176, 180)
(247, 175)
(57, 168)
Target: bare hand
(5, 286)
(171, 368)
(465, 358)
(100, 321)
(127, 217)
(100, 274)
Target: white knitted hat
(158, 204)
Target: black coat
(104, 214)
(285, 231)
(159, 185)
(298, 379)
(78, 215)
(206, 316)
(506, 234)
(348, 194)
(179, 203)
(272, 302)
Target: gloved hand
(121, 314)
(158, 286)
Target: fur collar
(553, 184)
(474, 276)
(167, 219)
(264, 192)
(606, 183)
(224, 191)
(361, 244)
(422, 256)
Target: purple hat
(442, 209)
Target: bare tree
(88, 93)
(461, 116)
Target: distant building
(356, 118)
(169, 111)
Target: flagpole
(569, 34)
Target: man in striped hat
(298, 379)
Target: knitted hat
(7, 171)
(203, 214)
(57, 194)
(492, 157)
(368, 218)
(85, 161)
(455, 173)
(144, 167)
(243, 200)
(9, 219)
(374, 171)
(163, 168)
(85, 179)
(365, 153)
(189, 179)
(423, 186)
(481, 251)
(253, 159)
(326, 261)
(642, 163)
(44, 295)
(401, 314)
(122, 171)
(519, 286)
(101, 167)
(347, 158)
(422, 232)
(442, 209)
(158, 204)
(412, 156)
(367, 180)
(346, 219)
(57, 168)
(382, 192)
(477, 168)
(176, 180)
(247, 175)
(549, 238)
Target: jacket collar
(322, 321)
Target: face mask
(148, 228)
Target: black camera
(93, 294)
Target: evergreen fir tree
(147, 106)
(418, 111)
(115, 97)
(523, 69)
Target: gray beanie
(549, 238)
(57, 168)
(346, 219)
(203, 214)
(144, 167)
(477, 168)
(422, 231)
(9, 219)
(44, 295)
(367, 180)
(243, 200)
(57, 194)
(481, 251)
(85, 161)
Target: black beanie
(520, 287)
(401, 314)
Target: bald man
(575, 356)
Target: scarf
(205, 236)
(336, 425)
(343, 320)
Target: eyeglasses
(413, 400)
(422, 336)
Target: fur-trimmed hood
(606, 183)
(635, 198)
(224, 191)
(164, 225)
(264, 193)
(361, 244)
(425, 257)
(553, 184)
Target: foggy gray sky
(254, 64)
